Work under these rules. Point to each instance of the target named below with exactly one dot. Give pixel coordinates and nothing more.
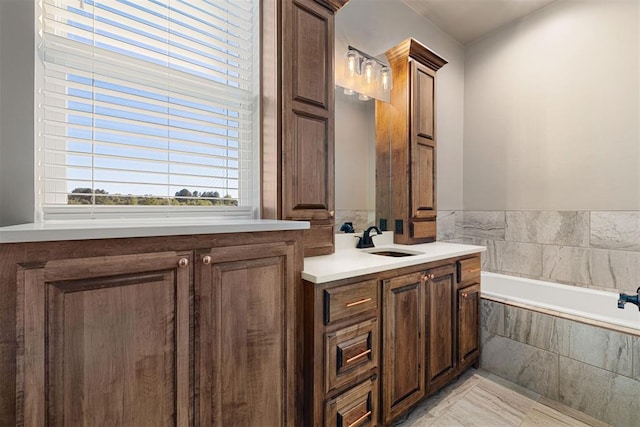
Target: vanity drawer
(350, 352)
(350, 300)
(469, 270)
(357, 407)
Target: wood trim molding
(332, 5)
(414, 49)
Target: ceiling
(468, 20)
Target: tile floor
(479, 398)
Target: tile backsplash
(596, 249)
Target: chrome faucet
(366, 241)
(633, 299)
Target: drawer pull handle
(465, 295)
(362, 301)
(364, 353)
(475, 270)
(359, 420)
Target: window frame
(48, 212)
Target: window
(147, 103)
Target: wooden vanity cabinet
(428, 319)
(298, 117)
(406, 146)
(156, 331)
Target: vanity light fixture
(366, 72)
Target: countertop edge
(400, 263)
(99, 230)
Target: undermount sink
(392, 252)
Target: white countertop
(349, 262)
(110, 228)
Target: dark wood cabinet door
(105, 341)
(403, 381)
(307, 165)
(441, 305)
(245, 342)
(468, 325)
(422, 152)
(308, 105)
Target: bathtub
(569, 344)
(582, 304)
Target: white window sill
(140, 227)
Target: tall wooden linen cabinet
(406, 146)
(298, 117)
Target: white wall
(375, 26)
(552, 112)
(355, 153)
(16, 111)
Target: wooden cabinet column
(298, 117)
(406, 146)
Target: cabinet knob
(183, 262)
(206, 260)
(331, 213)
(432, 276)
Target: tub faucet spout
(633, 299)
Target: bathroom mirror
(355, 160)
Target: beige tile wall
(595, 249)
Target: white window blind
(147, 102)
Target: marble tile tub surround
(596, 249)
(590, 369)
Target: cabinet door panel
(304, 165)
(423, 97)
(312, 47)
(468, 320)
(308, 172)
(112, 348)
(422, 184)
(441, 312)
(404, 350)
(422, 152)
(310, 166)
(244, 336)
